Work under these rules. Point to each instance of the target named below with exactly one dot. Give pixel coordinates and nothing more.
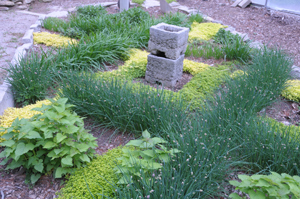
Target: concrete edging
(6, 95)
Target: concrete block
(35, 27)
(168, 39)
(6, 97)
(28, 37)
(42, 17)
(163, 70)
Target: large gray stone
(168, 39)
(7, 3)
(163, 70)
(4, 8)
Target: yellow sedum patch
(52, 39)
(96, 178)
(11, 114)
(292, 91)
(194, 67)
(132, 68)
(237, 73)
(204, 31)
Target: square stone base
(163, 70)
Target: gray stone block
(165, 71)
(28, 37)
(169, 39)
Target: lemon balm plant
(149, 155)
(53, 141)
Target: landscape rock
(295, 73)
(7, 3)
(58, 14)
(107, 4)
(36, 27)
(174, 4)
(256, 44)
(4, 8)
(27, 1)
(19, 3)
(22, 7)
(47, 1)
(28, 37)
(150, 3)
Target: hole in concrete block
(157, 82)
(160, 54)
(171, 29)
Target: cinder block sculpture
(167, 45)
(168, 39)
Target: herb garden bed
(199, 135)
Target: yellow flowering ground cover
(52, 39)
(292, 91)
(204, 31)
(11, 114)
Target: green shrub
(54, 140)
(95, 180)
(268, 186)
(149, 155)
(31, 78)
(196, 18)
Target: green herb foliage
(52, 141)
(149, 155)
(273, 186)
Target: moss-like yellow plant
(204, 31)
(292, 91)
(11, 114)
(194, 67)
(52, 39)
(237, 73)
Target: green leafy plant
(268, 186)
(147, 157)
(54, 140)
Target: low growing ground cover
(212, 121)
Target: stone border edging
(6, 96)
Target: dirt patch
(286, 112)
